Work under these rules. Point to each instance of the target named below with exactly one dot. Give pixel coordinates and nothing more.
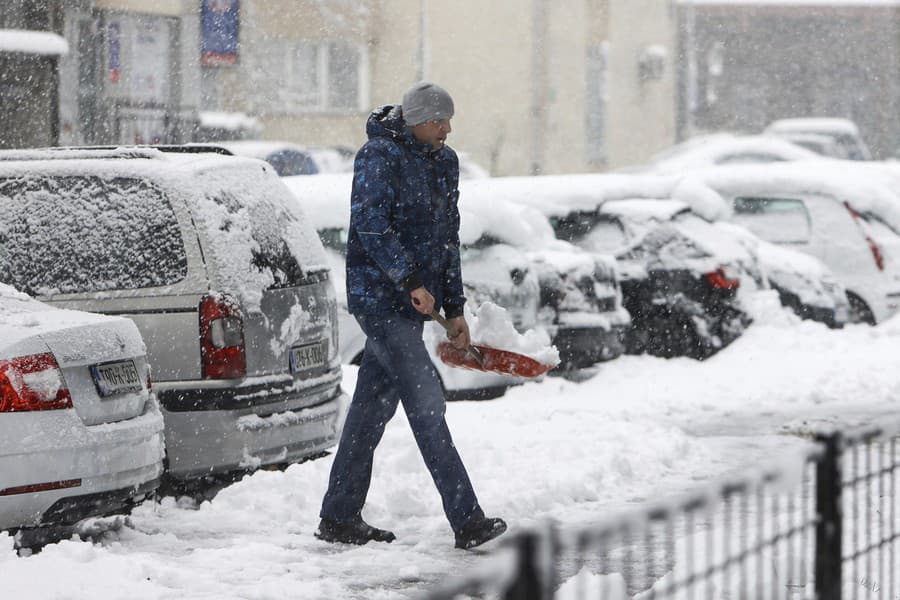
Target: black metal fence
(821, 524)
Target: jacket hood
(387, 121)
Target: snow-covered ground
(641, 427)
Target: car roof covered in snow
(824, 177)
(125, 160)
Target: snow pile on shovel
(490, 325)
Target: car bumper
(581, 347)
(75, 464)
(293, 427)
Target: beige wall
(263, 20)
(641, 119)
(518, 104)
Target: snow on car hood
(557, 195)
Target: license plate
(116, 378)
(309, 356)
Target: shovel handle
(452, 332)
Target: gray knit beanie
(424, 102)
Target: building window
(595, 103)
(315, 76)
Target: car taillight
(873, 245)
(720, 280)
(876, 253)
(221, 338)
(31, 383)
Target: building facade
(540, 86)
(133, 75)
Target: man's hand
(422, 300)
(461, 339)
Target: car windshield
(474, 249)
(334, 238)
(73, 234)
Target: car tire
(859, 310)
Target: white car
(849, 221)
(724, 149)
(81, 433)
(843, 132)
(491, 272)
(581, 302)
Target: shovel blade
(498, 361)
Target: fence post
(829, 525)
(528, 585)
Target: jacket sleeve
(454, 298)
(374, 185)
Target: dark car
(679, 285)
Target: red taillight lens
(876, 253)
(222, 338)
(719, 280)
(873, 245)
(30, 383)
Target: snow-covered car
(332, 159)
(492, 272)
(288, 159)
(724, 149)
(848, 221)
(581, 303)
(221, 272)
(680, 275)
(844, 133)
(577, 206)
(81, 433)
(469, 169)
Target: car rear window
(776, 220)
(72, 234)
(258, 235)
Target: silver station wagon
(226, 280)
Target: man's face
(432, 132)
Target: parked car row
(213, 280)
(175, 316)
(685, 275)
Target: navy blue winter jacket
(404, 222)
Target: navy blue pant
(396, 368)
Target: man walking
(403, 263)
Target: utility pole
(538, 85)
(422, 54)
(690, 45)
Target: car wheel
(859, 310)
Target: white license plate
(116, 378)
(309, 356)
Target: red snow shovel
(485, 358)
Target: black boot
(478, 531)
(355, 531)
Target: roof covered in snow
(44, 43)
